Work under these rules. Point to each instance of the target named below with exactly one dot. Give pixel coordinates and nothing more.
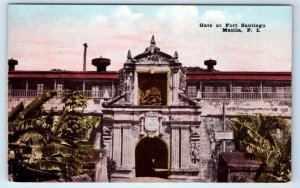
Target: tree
(72, 125)
(39, 147)
(269, 138)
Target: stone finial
(175, 55)
(129, 55)
(152, 40)
(152, 45)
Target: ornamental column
(127, 147)
(185, 148)
(117, 135)
(175, 85)
(175, 74)
(175, 148)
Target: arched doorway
(151, 158)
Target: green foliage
(269, 138)
(46, 145)
(72, 125)
(77, 127)
(74, 100)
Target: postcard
(149, 93)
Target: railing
(21, 93)
(245, 95)
(95, 94)
(214, 95)
(25, 93)
(277, 95)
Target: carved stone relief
(106, 135)
(195, 145)
(195, 152)
(151, 96)
(136, 129)
(152, 89)
(153, 58)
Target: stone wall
(235, 107)
(212, 120)
(93, 105)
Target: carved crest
(151, 121)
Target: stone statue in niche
(212, 139)
(195, 152)
(214, 146)
(151, 96)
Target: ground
(147, 180)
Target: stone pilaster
(176, 88)
(127, 148)
(129, 94)
(185, 148)
(175, 79)
(175, 148)
(135, 92)
(117, 135)
(204, 143)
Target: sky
(45, 37)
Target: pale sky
(44, 37)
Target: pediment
(153, 58)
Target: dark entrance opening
(151, 158)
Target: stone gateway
(151, 120)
